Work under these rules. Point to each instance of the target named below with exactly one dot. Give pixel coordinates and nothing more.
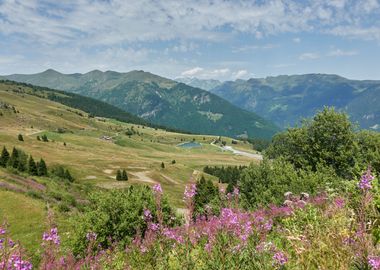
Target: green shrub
(116, 216)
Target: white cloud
(296, 40)
(309, 56)
(339, 52)
(218, 73)
(192, 72)
(254, 47)
(90, 22)
(240, 74)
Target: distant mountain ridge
(158, 100)
(287, 99)
(200, 83)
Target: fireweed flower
(91, 236)
(280, 258)
(365, 182)
(236, 191)
(147, 215)
(2, 231)
(339, 202)
(157, 189)
(374, 262)
(190, 191)
(52, 236)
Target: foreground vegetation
(312, 203)
(326, 231)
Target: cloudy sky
(220, 39)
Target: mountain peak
(50, 71)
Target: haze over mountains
(158, 100)
(287, 99)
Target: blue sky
(216, 39)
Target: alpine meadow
(202, 134)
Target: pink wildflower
(91, 236)
(339, 202)
(280, 258)
(374, 262)
(52, 236)
(2, 231)
(147, 215)
(157, 189)
(190, 191)
(366, 180)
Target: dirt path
(143, 176)
(171, 180)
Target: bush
(117, 216)
(267, 182)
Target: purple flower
(11, 243)
(374, 262)
(52, 236)
(2, 231)
(366, 180)
(236, 191)
(91, 236)
(157, 189)
(339, 202)
(147, 215)
(190, 191)
(280, 258)
(154, 226)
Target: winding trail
(239, 152)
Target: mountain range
(206, 84)
(158, 100)
(285, 100)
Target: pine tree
(162, 165)
(68, 176)
(45, 138)
(32, 167)
(38, 138)
(4, 157)
(21, 166)
(13, 160)
(173, 161)
(20, 138)
(118, 175)
(41, 168)
(124, 176)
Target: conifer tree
(21, 165)
(32, 167)
(124, 176)
(162, 165)
(4, 157)
(45, 138)
(38, 138)
(68, 176)
(13, 160)
(42, 169)
(20, 138)
(118, 175)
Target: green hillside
(94, 148)
(159, 100)
(287, 99)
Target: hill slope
(287, 99)
(96, 147)
(159, 100)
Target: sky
(209, 39)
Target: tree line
(20, 161)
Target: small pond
(189, 145)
